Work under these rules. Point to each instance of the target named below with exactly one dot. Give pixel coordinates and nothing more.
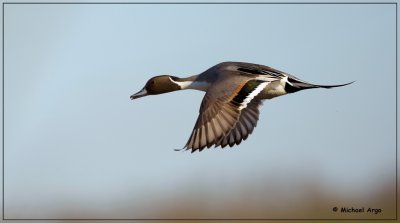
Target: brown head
(158, 85)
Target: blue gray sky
(76, 146)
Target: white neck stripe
(202, 85)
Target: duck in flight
(231, 106)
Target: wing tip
(186, 148)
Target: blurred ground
(250, 203)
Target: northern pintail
(231, 106)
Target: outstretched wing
(227, 115)
(244, 126)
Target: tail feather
(295, 85)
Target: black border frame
(200, 3)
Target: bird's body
(234, 93)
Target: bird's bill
(140, 94)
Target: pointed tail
(295, 85)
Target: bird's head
(158, 85)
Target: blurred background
(76, 146)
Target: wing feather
(245, 125)
(225, 121)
